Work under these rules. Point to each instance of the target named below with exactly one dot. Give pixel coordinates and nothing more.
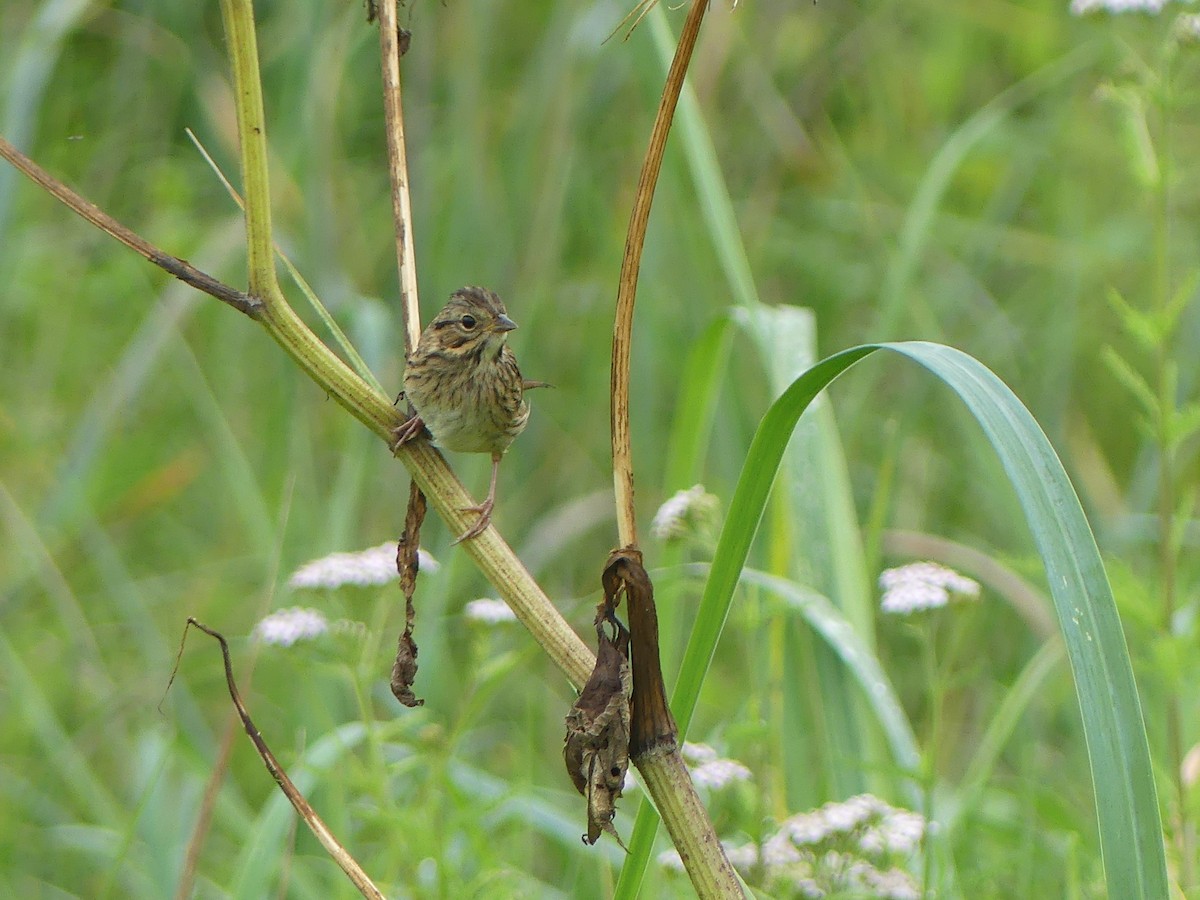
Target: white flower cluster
(681, 512)
(1083, 7)
(875, 826)
(709, 770)
(923, 585)
(364, 568)
(285, 627)
(489, 612)
(849, 848)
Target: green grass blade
(741, 523)
(745, 512)
(1126, 798)
(824, 732)
(696, 406)
(1123, 781)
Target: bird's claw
(485, 519)
(404, 433)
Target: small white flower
(489, 612)
(719, 773)
(364, 568)
(894, 884)
(923, 585)
(674, 516)
(779, 851)
(696, 754)
(285, 627)
(803, 829)
(709, 770)
(872, 841)
(849, 814)
(1083, 7)
(902, 830)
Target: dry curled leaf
(596, 750)
(404, 670)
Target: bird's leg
(484, 509)
(404, 433)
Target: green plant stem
(665, 776)
(668, 782)
(445, 492)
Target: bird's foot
(485, 519)
(402, 434)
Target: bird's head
(472, 323)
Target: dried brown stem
(331, 844)
(635, 241)
(175, 266)
(406, 260)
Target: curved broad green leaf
(1126, 800)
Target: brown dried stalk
(390, 52)
(345, 861)
(631, 262)
(654, 735)
(180, 268)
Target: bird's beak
(503, 323)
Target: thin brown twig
(631, 262)
(340, 855)
(181, 269)
(406, 261)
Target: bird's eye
(468, 322)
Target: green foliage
(984, 176)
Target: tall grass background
(986, 175)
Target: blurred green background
(983, 174)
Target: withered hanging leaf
(404, 670)
(596, 750)
(653, 729)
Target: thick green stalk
(445, 492)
